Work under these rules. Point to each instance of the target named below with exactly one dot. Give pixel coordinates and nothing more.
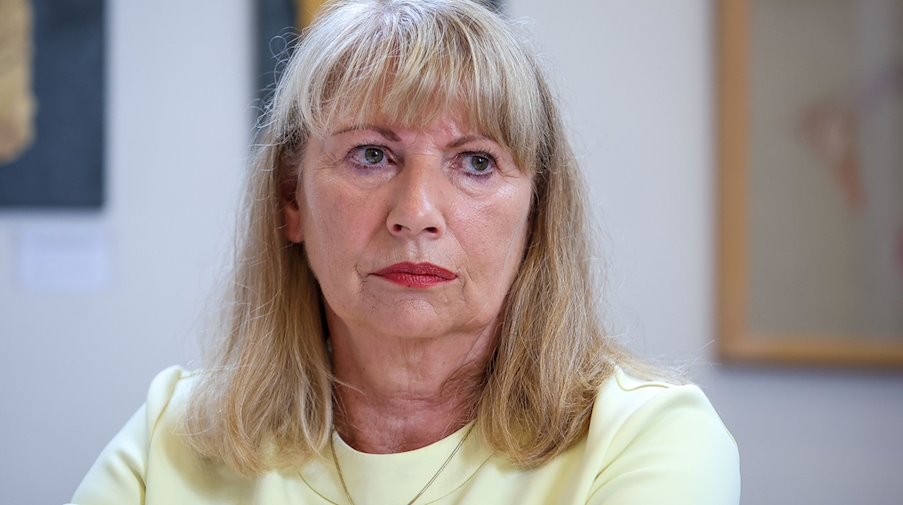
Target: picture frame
(820, 296)
(57, 49)
(279, 22)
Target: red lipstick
(416, 275)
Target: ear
(291, 210)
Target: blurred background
(95, 300)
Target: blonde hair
(266, 401)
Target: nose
(416, 209)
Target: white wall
(75, 365)
(637, 81)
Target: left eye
(478, 164)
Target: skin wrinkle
(427, 406)
(412, 366)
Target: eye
(368, 156)
(373, 155)
(479, 164)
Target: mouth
(416, 275)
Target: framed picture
(279, 22)
(811, 182)
(52, 104)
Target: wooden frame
(738, 342)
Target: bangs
(397, 63)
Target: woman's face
(410, 233)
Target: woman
(413, 317)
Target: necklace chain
(338, 468)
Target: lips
(416, 275)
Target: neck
(400, 394)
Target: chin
(407, 323)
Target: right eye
(368, 155)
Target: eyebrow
(389, 134)
(467, 138)
(385, 132)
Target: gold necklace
(338, 468)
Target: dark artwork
(63, 168)
(276, 32)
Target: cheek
(336, 230)
(494, 236)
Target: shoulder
(628, 402)
(645, 431)
(169, 391)
(165, 407)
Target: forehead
(393, 106)
(448, 124)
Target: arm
(118, 476)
